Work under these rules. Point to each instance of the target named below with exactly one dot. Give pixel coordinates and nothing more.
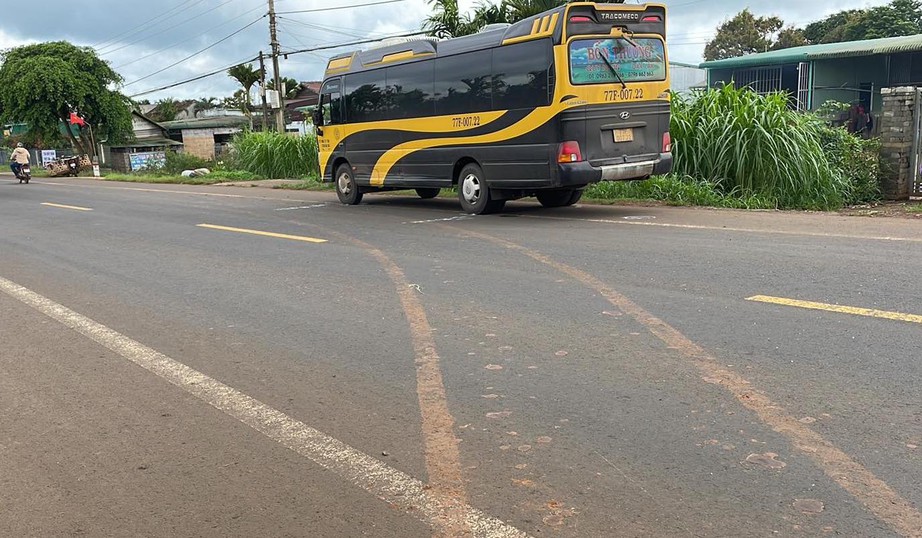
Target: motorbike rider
(19, 157)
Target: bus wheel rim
(345, 184)
(471, 188)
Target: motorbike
(73, 166)
(24, 174)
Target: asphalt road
(217, 361)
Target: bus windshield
(635, 60)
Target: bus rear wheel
(559, 198)
(427, 193)
(346, 189)
(474, 194)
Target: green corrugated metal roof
(868, 47)
(208, 122)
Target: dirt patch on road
(911, 209)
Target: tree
(292, 87)
(43, 84)
(743, 34)
(898, 18)
(790, 37)
(517, 10)
(247, 76)
(448, 21)
(166, 110)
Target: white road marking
(170, 191)
(390, 485)
(446, 219)
(301, 207)
(732, 229)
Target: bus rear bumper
(583, 173)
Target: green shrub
(675, 190)
(755, 146)
(857, 161)
(276, 156)
(176, 162)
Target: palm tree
(517, 10)
(247, 76)
(448, 21)
(292, 87)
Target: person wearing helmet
(19, 157)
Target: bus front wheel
(474, 193)
(346, 189)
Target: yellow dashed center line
(62, 206)
(853, 310)
(265, 234)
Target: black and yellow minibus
(544, 107)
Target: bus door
(330, 133)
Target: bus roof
(584, 17)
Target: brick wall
(199, 142)
(897, 135)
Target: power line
(143, 24)
(101, 51)
(333, 8)
(352, 43)
(193, 79)
(194, 53)
(165, 30)
(194, 37)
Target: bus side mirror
(318, 117)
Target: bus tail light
(569, 152)
(667, 142)
(651, 18)
(578, 18)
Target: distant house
(685, 78)
(206, 137)
(147, 150)
(308, 95)
(849, 72)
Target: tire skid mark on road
(884, 502)
(443, 459)
(448, 514)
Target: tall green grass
(275, 155)
(755, 146)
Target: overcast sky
(143, 39)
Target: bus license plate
(624, 135)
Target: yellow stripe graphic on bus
(387, 161)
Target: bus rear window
(637, 60)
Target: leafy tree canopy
(743, 34)
(46, 82)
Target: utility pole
(274, 41)
(262, 90)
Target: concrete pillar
(897, 128)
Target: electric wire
(143, 24)
(193, 38)
(193, 79)
(174, 64)
(102, 52)
(333, 8)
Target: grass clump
(276, 155)
(675, 190)
(755, 146)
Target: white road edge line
(732, 229)
(390, 485)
